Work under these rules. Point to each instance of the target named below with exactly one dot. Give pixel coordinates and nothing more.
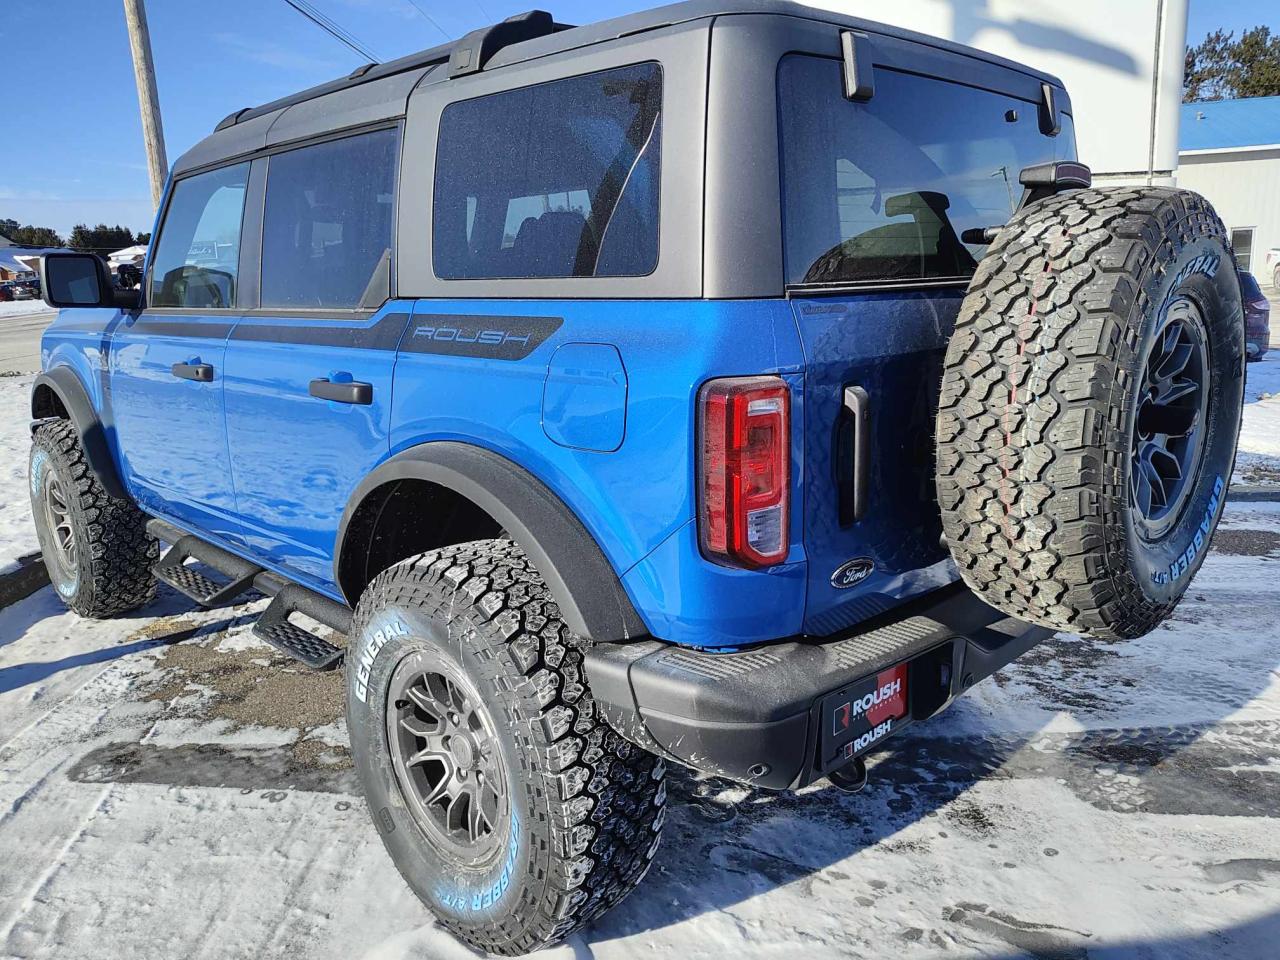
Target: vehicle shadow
(21, 674)
(159, 624)
(726, 843)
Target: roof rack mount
(466, 55)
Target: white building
(1230, 153)
(1121, 61)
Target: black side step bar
(289, 638)
(288, 598)
(173, 570)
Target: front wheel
(508, 805)
(95, 547)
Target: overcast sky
(71, 144)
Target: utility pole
(144, 72)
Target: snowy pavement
(21, 308)
(17, 532)
(169, 787)
(1258, 459)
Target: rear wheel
(1090, 406)
(505, 801)
(96, 548)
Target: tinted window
(883, 190)
(197, 256)
(326, 231)
(556, 180)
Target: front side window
(197, 255)
(554, 180)
(328, 222)
(884, 190)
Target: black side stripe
(383, 335)
(451, 334)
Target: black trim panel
(382, 335)
(579, 576)
(198, 330)
(64, 382)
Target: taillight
(1263, 304)
(745, 470)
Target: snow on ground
(21, 308)
(171, 787)
(17, 533)
(1258, 461)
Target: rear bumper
(758, 716)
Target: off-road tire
(1039, 400)
(590, 805)
(114, 554)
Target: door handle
(351, 392)
(201, 372)
(853, 456)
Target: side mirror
(81, 280)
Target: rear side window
(883, 190)
(197, 256)
(327, 224)
(555, 180)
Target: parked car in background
(5, 293)
(1273, 266)
(1257, 317)
(23, 291)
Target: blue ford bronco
(732, 384)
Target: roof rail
(467, 55)
(473, 51)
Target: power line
(331, 28)
(430, 19)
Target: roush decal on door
(463, 335)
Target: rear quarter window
(883, 190)
(554, 180)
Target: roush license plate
(862, 714)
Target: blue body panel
(603, 412)
(170, 432)
(637, 498)
(890, 344)
(296, 459)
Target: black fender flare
(581, 579)
(68, 388)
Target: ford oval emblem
(852, 573)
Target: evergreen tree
(100, 239)
(1223, 68)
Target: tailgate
(890, 345)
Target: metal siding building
(1230, 153)
(1121, 63)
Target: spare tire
(1089, 409)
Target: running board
(173, 570)
(274, 626)
(292, 640)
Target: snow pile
(17, 532)
(22, 308)
(1258, 461)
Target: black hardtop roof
(535, 35)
